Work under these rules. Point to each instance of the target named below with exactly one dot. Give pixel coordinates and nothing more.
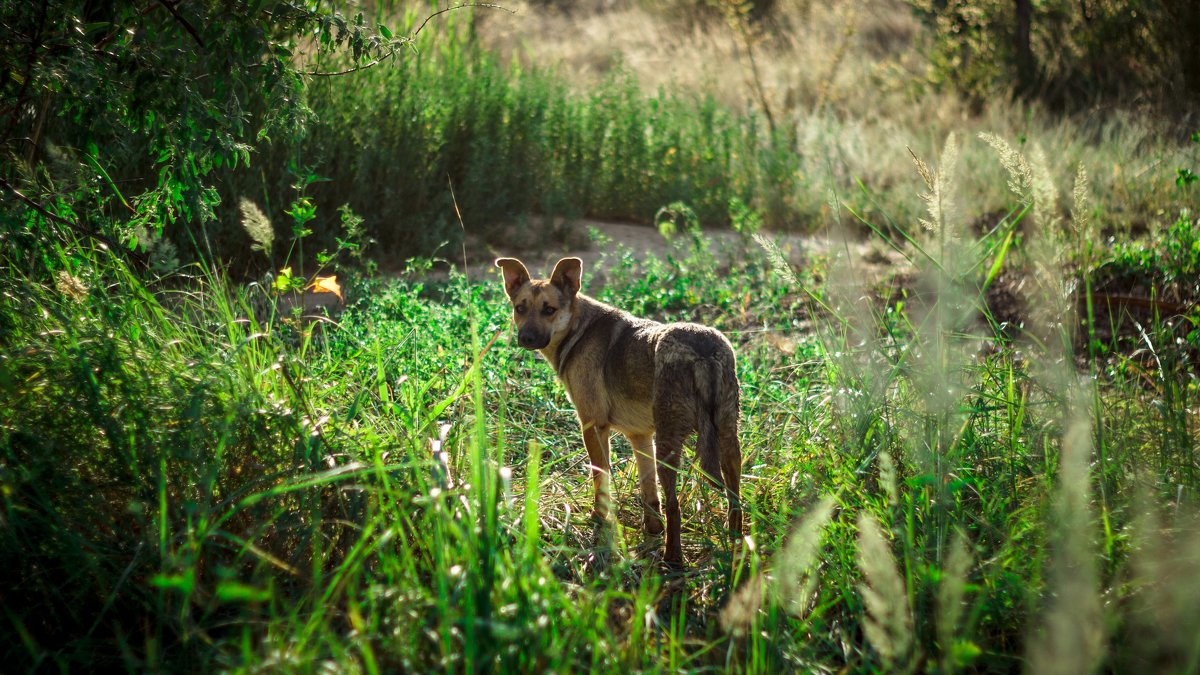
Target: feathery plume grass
(791, 584)
(945, 316)
(888, 478)
(1052, 312)
(257, 226)
(852, 342)
(1045, 194)
(1081, 202)
(1070, 638)
(941, 185)
(951, 592)
(1020, 173)
(744, 605)
(888, 622)
(70, 286)
(779, 263)
(1164, 619)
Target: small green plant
(745, 220)
(1184, 176)
(676, 217)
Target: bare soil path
(873, 257)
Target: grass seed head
(257, 226)
(888, 621)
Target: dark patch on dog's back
(697, 338)
(628, 363)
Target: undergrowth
(192, 480)
(198, 475)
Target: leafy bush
(118, 114)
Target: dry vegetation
(852, 78)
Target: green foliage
(1065, 52)
(117, 114)
(674, 217)
(743, 219)
(189, 482)
(1184, 176)
(1167, 271)
(1171, 263)
(193, 476)
(448, 130)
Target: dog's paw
(672, 564)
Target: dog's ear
(515, 274)
(567, 275)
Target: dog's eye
(520, 309)
(548, 310)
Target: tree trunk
(1026, 65)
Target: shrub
(1067, 53)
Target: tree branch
(76, 227)
(182, 21)
(405, 41)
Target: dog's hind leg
(725, 416)
(674, 421)
(643, 450)
(595, 439)
(669, 445)
(731, 469)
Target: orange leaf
(326, 285)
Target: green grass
(512, 140)
(192, 481)
(449, 128)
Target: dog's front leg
(595, 439)
(643, 450)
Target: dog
(655, 383)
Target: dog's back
(616, 366)
(697, 388)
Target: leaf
(284, 280)
(385, 31)
(326, 285)
(232, 591)
(177, 582)
(91, 157)
(964, 652)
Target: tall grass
(191, 482)
(852, 85)
(513, 143)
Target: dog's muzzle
(532, 339)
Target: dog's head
(542, 308)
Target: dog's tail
(712, 383)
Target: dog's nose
(531, 340)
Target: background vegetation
(983, 459)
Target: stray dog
(655, 383)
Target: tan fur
(655, 383)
